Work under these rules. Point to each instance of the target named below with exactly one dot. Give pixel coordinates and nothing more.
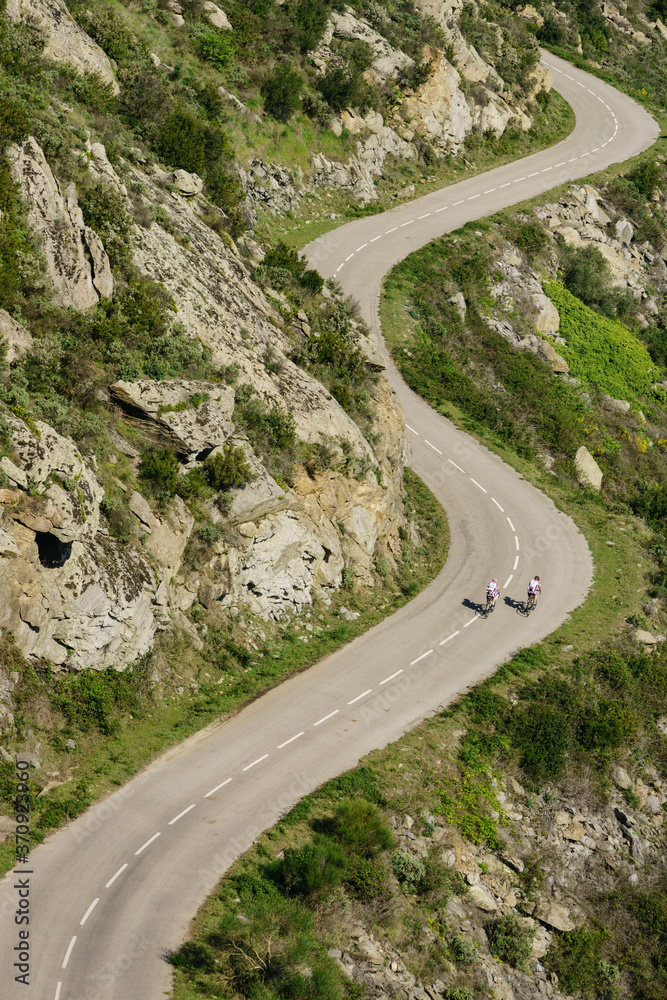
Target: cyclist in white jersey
(492, 591)
(534, 589)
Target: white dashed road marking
(68, 952)
(391, 677)
(329, 716)
(144, 846)
(432, 446)
(516, 539)
(470, 622)
(516, 562)
(113, 879)
(412, 429)
(422, 657)
(89, 911)
(176, 818)
(360, 696)
(449, 637)
(478, 484)
(455, 465)
(497, 505)
(408, 223)
(258, 761)
(290, 740)
(508, 581)
(511, 525)
(218, 787)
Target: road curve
(112, 892)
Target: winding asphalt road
(108, 895)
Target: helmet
(495, 581)
(536, 577)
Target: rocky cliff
(74, 594)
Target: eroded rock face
(66, 41)
(438, 109)
(176, 414)
(77, 263)
(387, 62)
(68, 592)
(16, 337)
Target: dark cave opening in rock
(52, 552)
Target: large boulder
(547, 318)
(65, 41)
(547, 352)
(216, 16)
(189, 416)
(76, 261)
(554, 916)
(587, 469)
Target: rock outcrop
(192, 418)
(16, 337)
(66, 42)
(68, 592)
(76, 261)
(75, 594)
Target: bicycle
(531, 604)
(489, 606)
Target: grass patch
(599, 350)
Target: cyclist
(534, 588)
(492, 592)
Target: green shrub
(181, 141)
(409, 871)
(530, 237)
(270, 431)
(607, 725)
(646, 177)
(213, 45)
(541, 733)
(15, 122)
(587, 275)
(117, 513)
(459, 993)
(160, 471)
(360, 826)
(576, 958)
(463, 951)
(280, 92)
(368, 878)
(339, 87)
(229, 469)
(308, 870)
(550, 32)
(104, 211)
(510, 940)
(309, 18)
(94, 699)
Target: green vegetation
(599, 350)
(510, 940)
